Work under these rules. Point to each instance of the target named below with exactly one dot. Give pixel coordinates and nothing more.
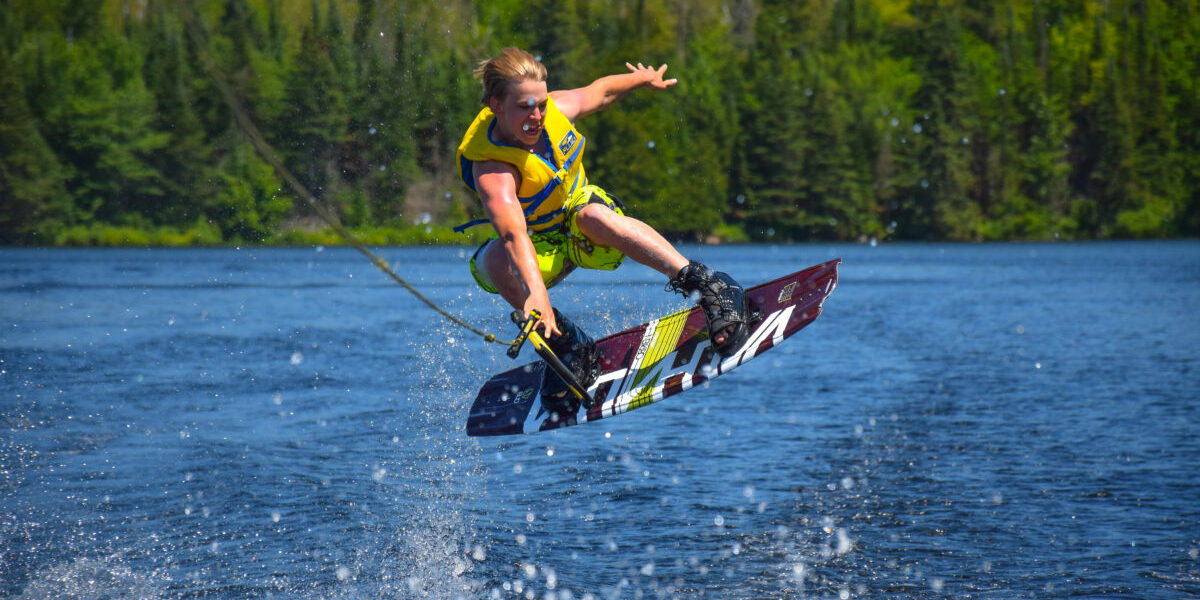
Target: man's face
(521, 112)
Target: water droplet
(650, 144)
(844, 544)
(343, 573)
(297, 358)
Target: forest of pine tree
(792, 120)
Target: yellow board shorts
(560, 251)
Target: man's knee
(594, 218)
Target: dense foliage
(793, 120)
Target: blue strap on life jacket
(546, 218)
(470, 224)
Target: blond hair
(512, 65)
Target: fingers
(666, 82)
(549, 325)
(545, 323)
(654, 77)
(640, 67)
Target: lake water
(964, 421)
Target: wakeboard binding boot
(722, 300)
(577, 350)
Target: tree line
(792, 120)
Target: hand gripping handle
(528, 332)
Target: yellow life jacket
(545, 186)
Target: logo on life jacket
(567, 143)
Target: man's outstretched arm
(602, 92)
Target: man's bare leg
(636, 240)
(630, 237)
(500, 270)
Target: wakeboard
(656, 360)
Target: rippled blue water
(964, 421)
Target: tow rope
(268, 154)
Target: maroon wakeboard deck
(656, 360)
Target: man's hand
(541, 303)
(652, 77)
